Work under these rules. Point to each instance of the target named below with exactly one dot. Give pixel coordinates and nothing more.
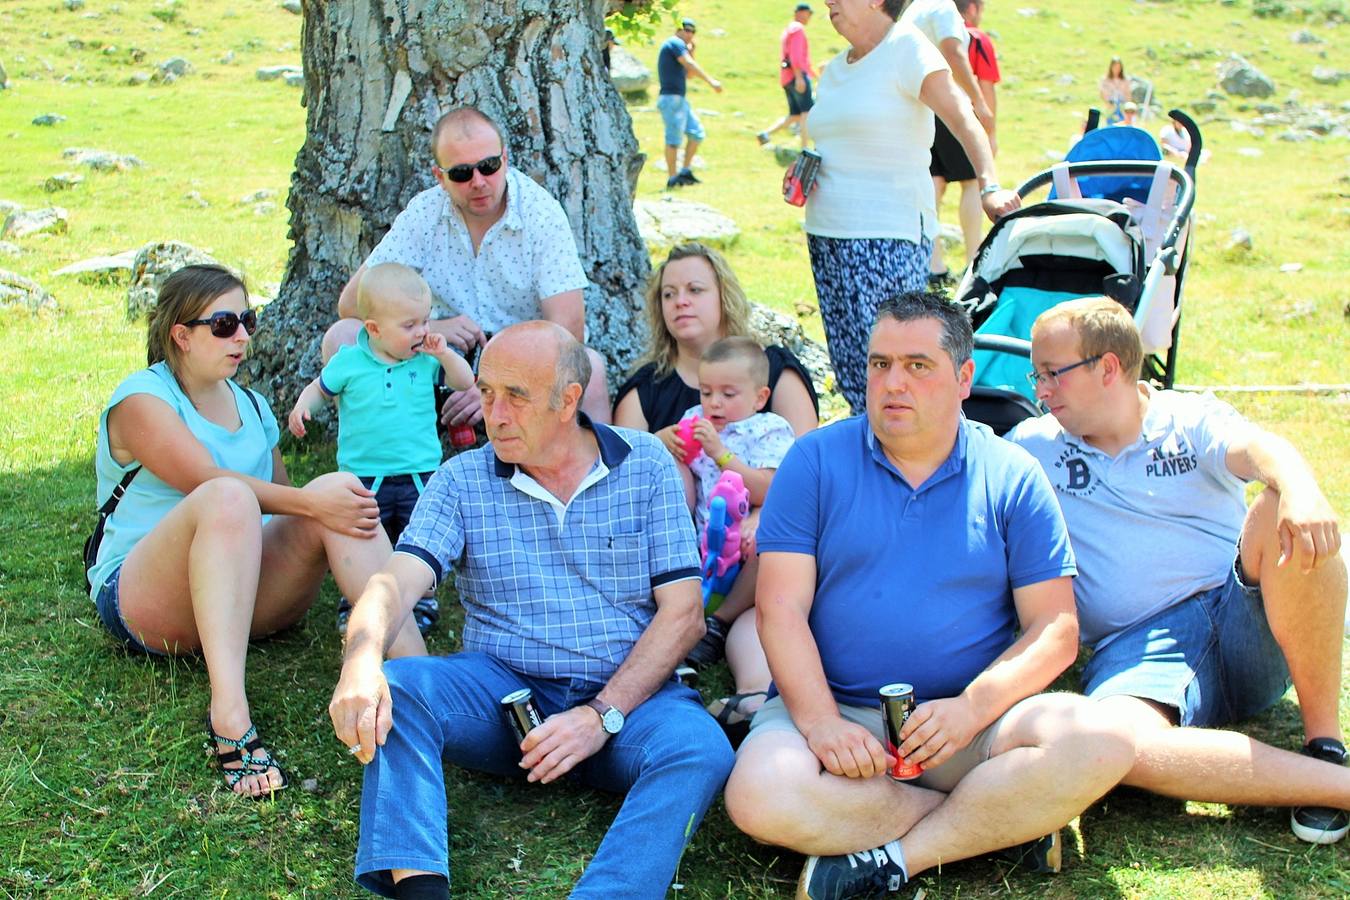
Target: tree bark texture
(378, 74)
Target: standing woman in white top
(871, 220)
(209, 544)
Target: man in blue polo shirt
(578, 570)
(672, 62)
(911, 545)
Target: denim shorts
(396, 495)
(109, 606)
(1211, 657)
(798, 104)
(679, 118)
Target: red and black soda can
(521, 713)
(801, 178)
(897, 702)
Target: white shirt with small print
(527, 255)
(761, 441)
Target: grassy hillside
(103, 787)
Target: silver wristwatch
(611, 720)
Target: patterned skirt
(853, 276)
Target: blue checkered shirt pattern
(553, 600)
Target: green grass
(104, 789)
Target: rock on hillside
(666, 222)
(154, 262)
(16, 290)
(629, 75)
(101, 160)
(1237, 76)
(23, 223)
(773, 327)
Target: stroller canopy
(1114, 142)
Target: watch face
(612, 720)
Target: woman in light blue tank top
(209, 544)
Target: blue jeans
(670, 760)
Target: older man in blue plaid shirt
(578, 571)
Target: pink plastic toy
(735, 499)
(692, 447)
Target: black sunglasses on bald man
(462, 173)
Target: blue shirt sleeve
(333, 378)
(790, 521)
(1037, 538)
(435, 534)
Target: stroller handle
(1001, 343)
(1181, 177)
(1197, 142)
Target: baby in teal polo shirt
(384, 386)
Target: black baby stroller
(1111, 226)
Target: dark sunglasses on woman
(225, 323)
(485, 166)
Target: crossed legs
(1054, 755)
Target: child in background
(733, 381)
(384, 385)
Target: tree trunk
(377, 77)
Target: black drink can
(897, 702)
(521, 713)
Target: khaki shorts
(774, 716)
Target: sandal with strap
(252, 756)
(727, 711)
(734, 720)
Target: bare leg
(671, 153)
(1054, 755)
(1306, 615)
(297, 552)
(745, 658)
(595, 400)
(191, 584)
(972, 218)
(339, 334)
(779, 794)
(778, 126)
(805, 135)
(690, 150)
(936, 265)
(1217, 766)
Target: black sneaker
(1321, 824)
(426, 613)
(674, 181)
(710, 647)
(687, 176)
(862, 874)
(1041, 856)
(344, 612)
